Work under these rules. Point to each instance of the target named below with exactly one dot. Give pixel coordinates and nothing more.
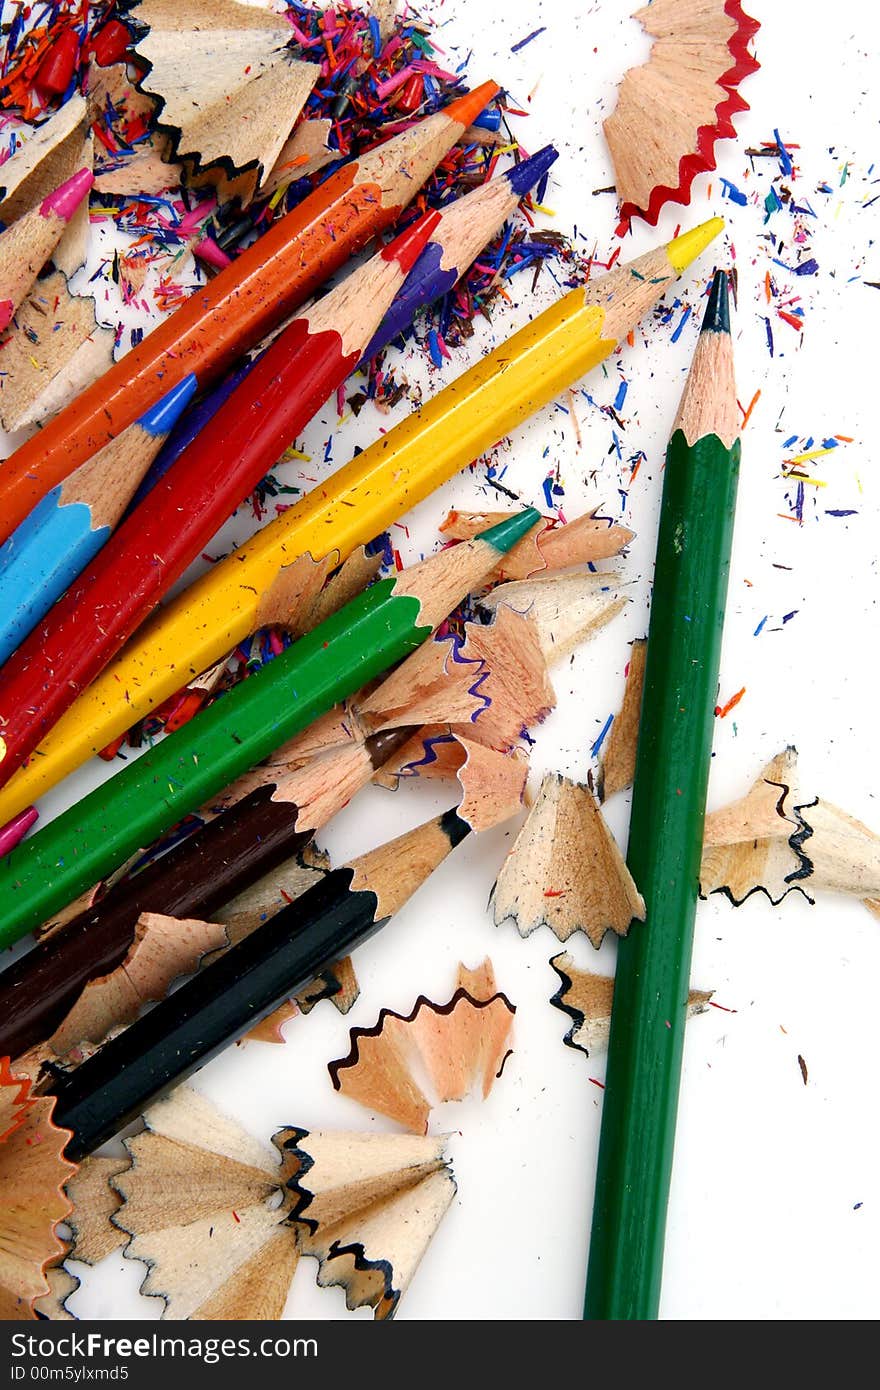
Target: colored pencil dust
(666, 833)
(236, 992)
(358, 502)
(371, 633)
(261, 288)
(174, 523)
(69, 526)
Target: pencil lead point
(66, 198)
(163, 416)
(528, 172)
(466, 109)
(687, 247)
(505, 535)
(406, 248)
(717, 316)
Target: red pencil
(174, 522)
(257, 291)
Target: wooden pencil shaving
(671, 110)
(49, 157)
(367, 1206)
(841, 854)
(618, 763)
(228, 92)
(566, 609)
(305, 152)
(565, 870)
(587, 999)
(292, 594)
(748, 846)
(95, 1203)
(220, 1223)
(164, 948)
(516, 688)
(271, 893)
(53, 1305)
(52, 350)
(439, 681)
(33, 1172)
(492, 782)
(454, 1046)
(351, 578)
(200, 1203)
(548, 546)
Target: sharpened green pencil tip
(505, 535)
(717, 316)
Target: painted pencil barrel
(330, 663)
(394, 474)
(223, 1002)
(665, 841)
(40, 561)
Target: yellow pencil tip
(690, 245)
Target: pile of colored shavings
(44, 48)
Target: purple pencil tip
(528, 172)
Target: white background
(775, 1209)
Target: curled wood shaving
(841, 854)
(53, 1305)
(548, 546)
(200, 1203)
(95, 1203)
(440, 681)
(220, 1222)
(272, 892)
(292, 594)
(587, 999)
(52, 153)
(516, 686)
(618, 763)
(748, 847)
(33, 1172)
(455, 1045)
(164, 948)
(367, 1206)
(566, 609)
(353, 576)
(303, 154)
(565, 870)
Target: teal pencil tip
(163, 416)
(505, 535)
(717, 316)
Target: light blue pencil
(69, 526)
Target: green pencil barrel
(665, 843)
(330, 663)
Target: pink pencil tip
(7, 309)
(65, 199)
(207, 250)
(406, 248)
(16, 829)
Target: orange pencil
(221, 320)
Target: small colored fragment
(565, 870)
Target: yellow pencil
(357, 503)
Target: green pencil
(666, 833)
(377, 629)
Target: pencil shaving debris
(228, 93)
(368, 1206)
(565, 870)
(587, 999)
(547, 547)
(618, 762)
(456, 1046)
(671, 110)
(221, 1222)
(33, 1172)
(566, 609)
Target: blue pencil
(69, 526)
(466, 226)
